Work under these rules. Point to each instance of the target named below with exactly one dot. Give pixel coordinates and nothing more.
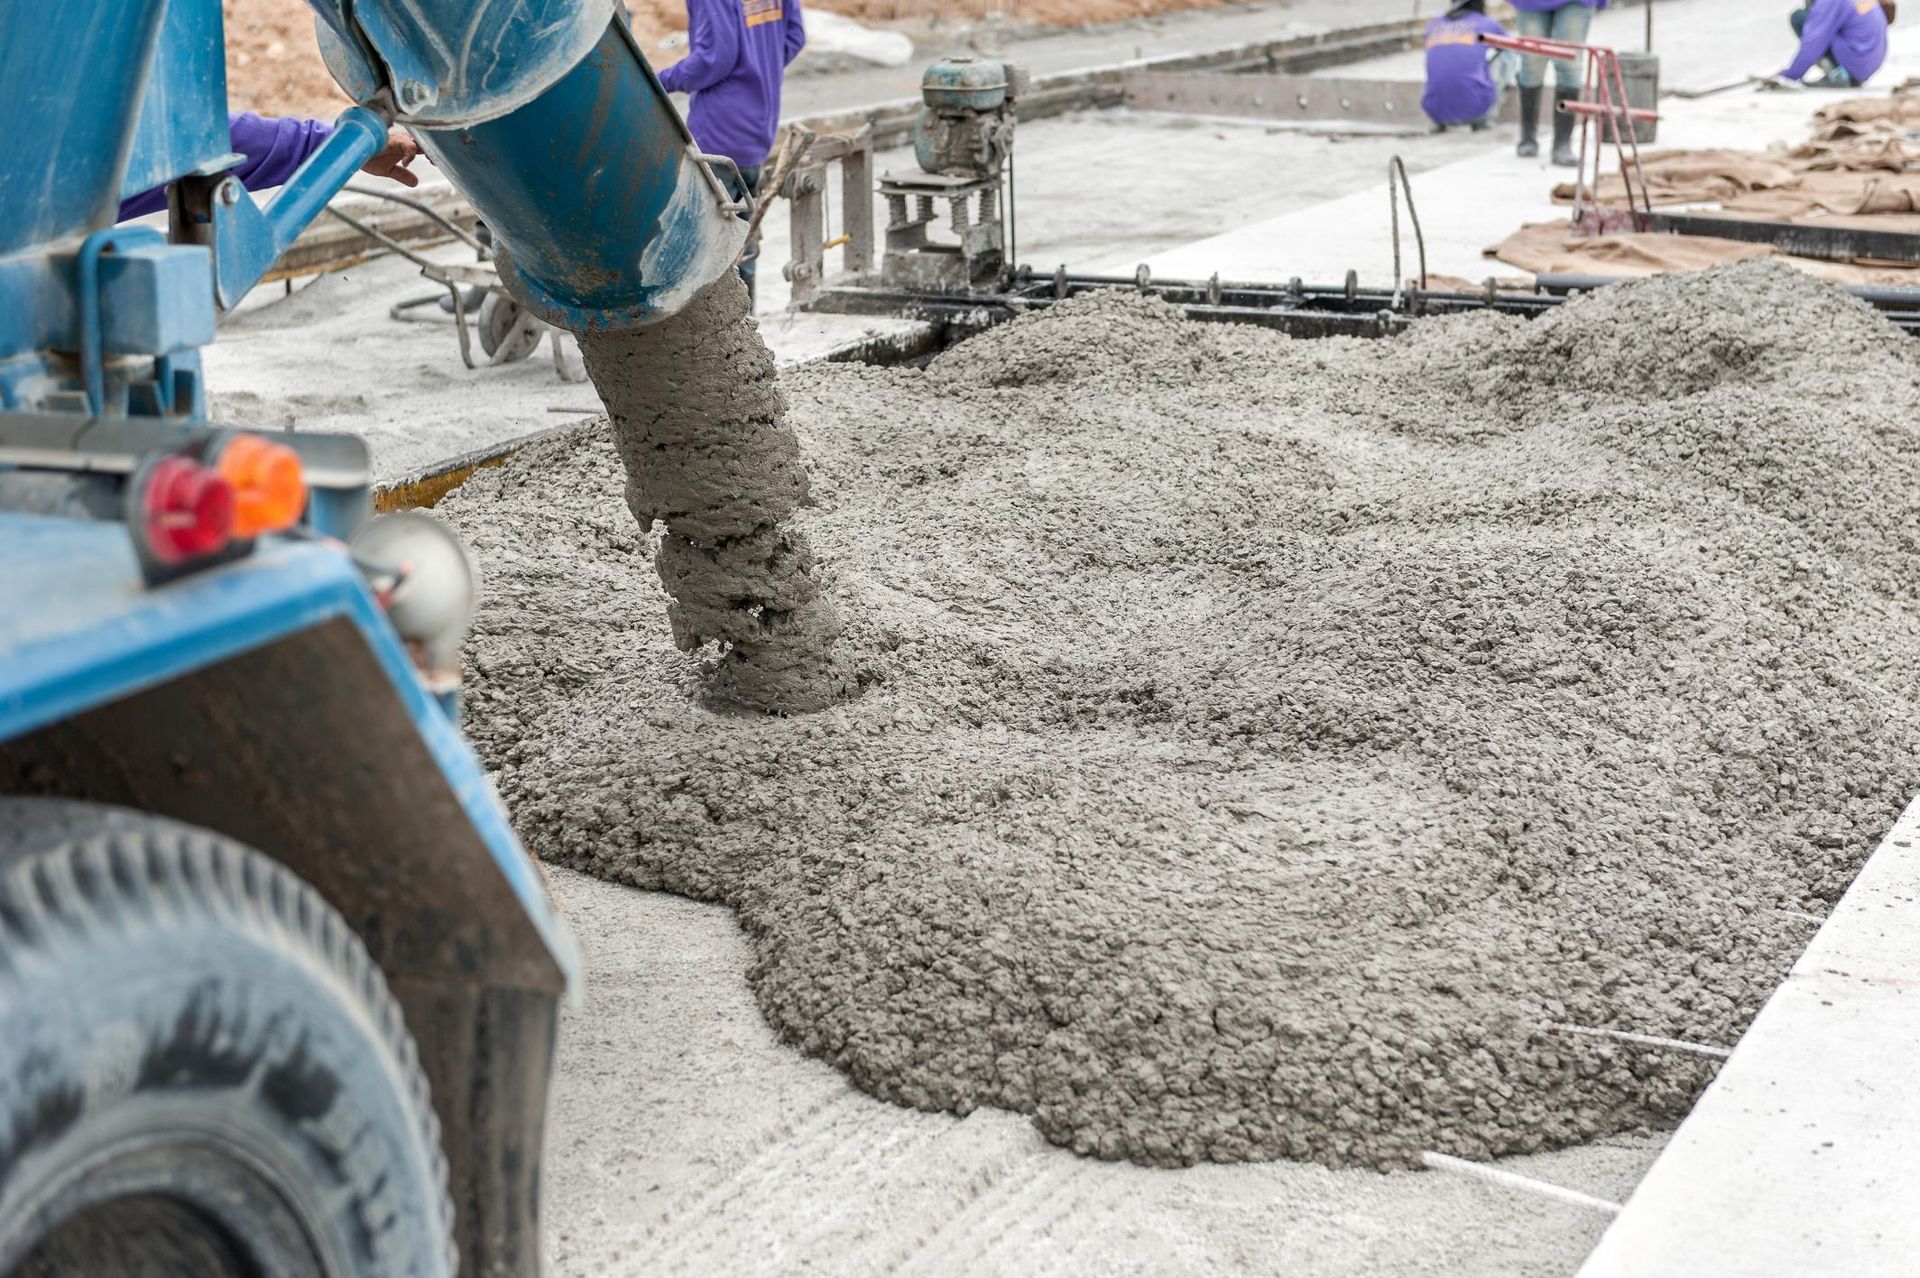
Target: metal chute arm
(250, 238)
(547, 117)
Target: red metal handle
(1535, 46)
(1595, 110)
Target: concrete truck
(278, 984)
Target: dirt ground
(273, 66)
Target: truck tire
(201, 1070)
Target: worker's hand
(400, 152)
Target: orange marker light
(269, 489)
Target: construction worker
(276, 147)
(736, 63)
(1465, 79)
(1844, 41)
(1567, 21)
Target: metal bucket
(1642, 74)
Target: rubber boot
(1563, 122)
(1529, 123)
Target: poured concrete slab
(1052, 52)
(1802, 1158)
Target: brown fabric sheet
(1901, 111)
(1866, 175)
(1833, 194)
(1551, 248)
(1695, 177)
(1862, 158)
(1857, 153)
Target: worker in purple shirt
(1464, 77)
(1845, 39)
(736, 63)
(274, 148)
(1567, 21)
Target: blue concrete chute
(548, 118)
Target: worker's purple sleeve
(796, 30)
(1823, 24)
(274, 149)
(713, 47)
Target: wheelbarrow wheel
(508, 332)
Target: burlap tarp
(1829, 178)
(1859, 168)
(1859, 161)
(1551, 248)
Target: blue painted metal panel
(183, 119)
(73, 73)
(154, 300)
(606, 218)
(96, 634)
(73, 150)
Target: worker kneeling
(1465, 79)
(1842, 42)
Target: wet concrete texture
(701, 427)
(1263, 737)
(685, 1139)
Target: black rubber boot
(1529, 123)
(1563, 130)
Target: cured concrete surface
(1049, 52)
(1474, 202)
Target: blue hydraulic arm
(247, 239)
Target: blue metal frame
(95, 636)
(150, 109)
(544, 112)
(248, 239)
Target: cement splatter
(1263, 736)
(701, 426)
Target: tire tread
(65, 877)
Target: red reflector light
(186, 511)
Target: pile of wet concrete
(1261, 739)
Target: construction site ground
(685, 1138)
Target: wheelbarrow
(477, 301)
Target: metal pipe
(427, 211)
(1526, 1184)
(1637, 1040)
